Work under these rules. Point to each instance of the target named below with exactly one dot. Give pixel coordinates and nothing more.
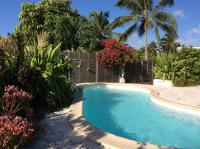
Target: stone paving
(184, 95)
(58, 134)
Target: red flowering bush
(15, 100)
(14, 131)
(114, 53)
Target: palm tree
(168, 44)
(152, 51)
(100, 24)
(144, 15)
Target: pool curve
(113, 141)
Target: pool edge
(111, 141)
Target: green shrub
(55, 68)
(31, 80)
(187, 67)
(164, 67)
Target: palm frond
(168, 28)
(128, 32)
(156, 30)
(165, 17)
(122, 20)
(163, 3)
(133, 5)
(141, 28)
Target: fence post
(147, 70)
(97, 69)
(142, 70)
(88, 65)
(79, 70)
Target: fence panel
(91, 71)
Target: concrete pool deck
(183, 95)
(77, 133)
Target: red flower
(114, 53)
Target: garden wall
(88, 70)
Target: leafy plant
(57, 19)
(31, 80)
(164, 67)
(168, 44)
(14, 131)
(55, 68)
(115, 53)
(187, 64)
(14, 100)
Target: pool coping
(112, 141)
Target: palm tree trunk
(146, 44)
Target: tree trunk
(146, 44)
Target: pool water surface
(131, 114)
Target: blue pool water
(131, 114)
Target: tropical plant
(55, 68)
(100, 28)
(164, 67)
(9, 45)
(32, 81)
(168, 44)
(85, 38)
(187, 64)
(144, 16)
(115, 53)
(152, 52)
(58, 20)
(100, 24)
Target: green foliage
(34, 70)
(145, 16)
(86, 37)
(164, 66)
(31, 80)
(8, 45)
(187, 67)
(56, 18)
(168, 44)
(54, 67)
(101, 24)
(152, 52)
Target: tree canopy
(144, 16)
(61, 22)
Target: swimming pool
(131, 114)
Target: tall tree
(168, 44)
(57, 19)
(100, 27)
(144, 16)
(152, 52)
(100, 24)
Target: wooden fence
(88, 70)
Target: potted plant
(115, 53)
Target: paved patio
(184, 95)
(58, 134)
